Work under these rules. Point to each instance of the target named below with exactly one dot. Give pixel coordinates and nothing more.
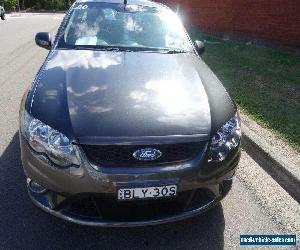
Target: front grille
(122, 155)
(106, 207)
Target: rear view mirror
(200, 47)
(43, 39)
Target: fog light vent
(36, 188)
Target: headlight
(226, 138)
(44, 139)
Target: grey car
(124, 124)
(2, 12)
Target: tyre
(3, 16)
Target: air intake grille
(122, 155)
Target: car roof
(137, 2)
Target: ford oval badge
(147, 154)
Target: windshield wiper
(81, 48)
(113, 49)
(127, 49)
(117, 49)
(173, 51)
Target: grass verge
(264, 82)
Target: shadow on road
(23, 226)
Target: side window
(107, 24)
(151, 32)
(109, 14)
(84, 26)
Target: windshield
(103, 25)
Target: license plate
(147, 192)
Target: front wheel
(3, 16)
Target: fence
(277, 21)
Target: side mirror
(200, 47)
(43, 39)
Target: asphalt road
(256, 204)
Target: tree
(9, 4)
(47, 4)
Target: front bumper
(45, 202)
(64, 186)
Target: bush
(46, 4)
(8, 4)
(37, 4)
